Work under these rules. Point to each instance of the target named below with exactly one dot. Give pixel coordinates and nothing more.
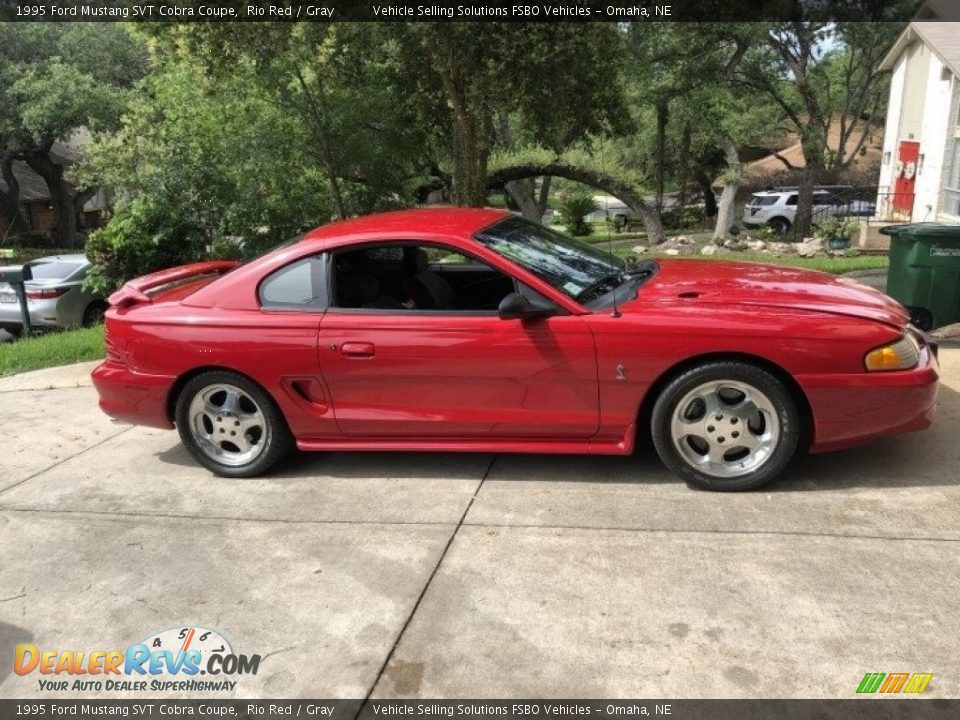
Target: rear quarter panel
(275, 349)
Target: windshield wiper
(617, 277)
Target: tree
(813, 84)
(197, 160)
(54, 80)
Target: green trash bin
(924, 272)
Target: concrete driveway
(480, 575)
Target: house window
(951, 193)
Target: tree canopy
(56, 78)
(252, 132)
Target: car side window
(792, 200)
(411, 277)
(298, 286)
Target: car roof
(448, 220)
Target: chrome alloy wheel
(725, 428)
(228, 426)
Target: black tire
(15, 332)
(780, 225)
(272, 442)
(93, 313)
(689, 455)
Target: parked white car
(777, 207)
(55, 296)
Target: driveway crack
(423, 591)
(71, 457)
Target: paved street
(477, 575)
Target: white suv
(777, 207)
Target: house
(920, 166)
(35, 204)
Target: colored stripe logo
(894, 683)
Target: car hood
(710, 282)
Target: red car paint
(574, 383)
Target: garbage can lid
(923, 230)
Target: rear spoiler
(135, 291)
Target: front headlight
(901, 355)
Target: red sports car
(475, 330)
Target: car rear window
(54, 270)
(763, 199)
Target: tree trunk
(61, 196)
(544, 200)
(469, 162)
(318, 110)
(10, 201)
(683, 169)
(521, 192)
(706, 189)
(628, 194)
(661, 153)
(726, 213)
(803, 221)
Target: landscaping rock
(709, 250)
(781, 248)
(811, 247)
(671, 251)
(638, 250)
(735, 245)
(757, 245)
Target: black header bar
(182, 11)
(425, 709)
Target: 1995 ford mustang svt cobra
(475, 330)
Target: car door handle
(357, 349)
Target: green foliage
(684, 218)
(574, 207)
(57, 77)
(143, 236)
(839, 228)
(767, 233)
(51, 349)
(195, 160)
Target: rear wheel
(93, 314)
(726, 426)
(780, 225)
(230, 425)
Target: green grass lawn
(836, 265)
(51, 349)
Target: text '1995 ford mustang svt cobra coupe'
(475, 330)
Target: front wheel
(726, 426)
(230, 425)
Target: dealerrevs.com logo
(170, 660)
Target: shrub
(831, 228)
(684, 218)
(574, 209)
(140, 238)
(767, 233)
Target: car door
(459, 374)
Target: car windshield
(567, 264)
(54, 269)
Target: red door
(459, 375)
(905, 178)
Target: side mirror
(518, 307)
